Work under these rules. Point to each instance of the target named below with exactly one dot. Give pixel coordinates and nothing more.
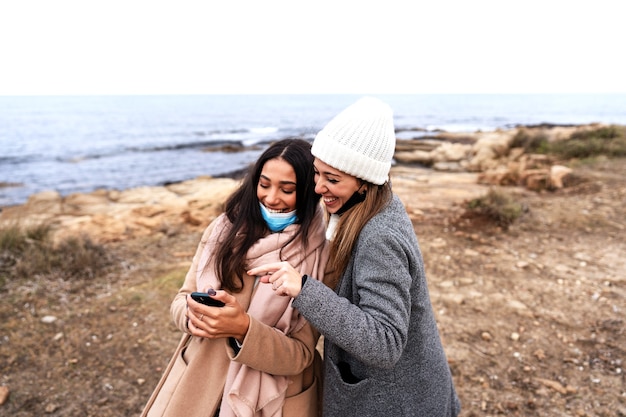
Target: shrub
(609, 141)
(499, 207)
(535, 143)
(31, 252)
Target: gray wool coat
(382, 352)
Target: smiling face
(336, 187)
(276, 188)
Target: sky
(67, 47)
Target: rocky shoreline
(457, 166)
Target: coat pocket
(305, 404)
(347, 395)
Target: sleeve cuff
(234, 344)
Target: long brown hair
(349, 227)
(248, 225)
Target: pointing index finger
(263, 270)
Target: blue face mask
(278, 221)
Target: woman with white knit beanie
(383, 355)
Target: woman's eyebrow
(280, 182)
(332, 174)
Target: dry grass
(607, 140)
(28, 255)
(531, 143)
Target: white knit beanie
(359, 141)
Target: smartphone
(206, 299)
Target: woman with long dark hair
(255, 355)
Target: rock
(148, 211)
(4, 394)
(412, 157)
(38, 209)
(539, 354)
(108, 216)
(190, 219)
(44, 202)
(499, 176)
(535, 179)
(438, 243)
(143, 196)
(96, 202)
(515, 154)
(448, 166)
(452, 298)
(489, 148)
(451, 152)
(517, 305)
(557, 386)
(558, 174)
(583, 257)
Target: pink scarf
(249, 392)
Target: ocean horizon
(78, 144)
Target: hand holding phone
(206, 299)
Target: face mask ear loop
(355, 199)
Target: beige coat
(192, 384)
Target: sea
(78, 144)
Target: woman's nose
(272, 197)
(319, 186)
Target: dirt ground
(532, 318)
